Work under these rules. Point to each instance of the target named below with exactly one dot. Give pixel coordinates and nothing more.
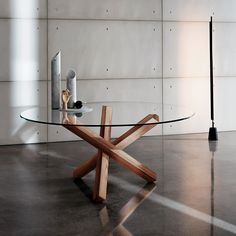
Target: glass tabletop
(123, 114)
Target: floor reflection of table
(125, 212)
(141, 117)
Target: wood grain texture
(121, 142)
(100, 186)
(135, 132)
(110, 149)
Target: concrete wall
(114, 46)
(186, 61)
(121, 50)
(23, 68)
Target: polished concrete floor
(195, 193)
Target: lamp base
(212, 134)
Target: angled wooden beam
(135, 132)
(111, 150)
(100, 186)
(121, 142)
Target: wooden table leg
(100, 187)
(112, 149)
(121, 142)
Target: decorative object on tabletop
(78, 104)
(68, 118)
(71, 86)
(65, 97)
(56, 80)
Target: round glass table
(140, 116)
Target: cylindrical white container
(71, 85)
(56, 80)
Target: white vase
(56, 80)
(71, 85)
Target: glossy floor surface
(195, 193)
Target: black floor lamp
(212, 130)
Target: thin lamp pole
(212, 131)
(211, 75)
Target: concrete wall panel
(59, 133)
(15, 97)
(112, 90)
(224, 10)
(187, 10)
(105, 9)
(149, 90)
(23, 93)
(185, 49)
(23, 50)
(201, 10)
(98, 49)
(225, 112)
(224, 49)
(23, 8)
(193, 95)
(15, 130)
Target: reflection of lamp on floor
(212, 149)
(212, 130)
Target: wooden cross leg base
(114, 150)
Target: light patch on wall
(186, 51)
(24, 8)
(24, 41)
(24, 64)
(192, 49)
(24, 51)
